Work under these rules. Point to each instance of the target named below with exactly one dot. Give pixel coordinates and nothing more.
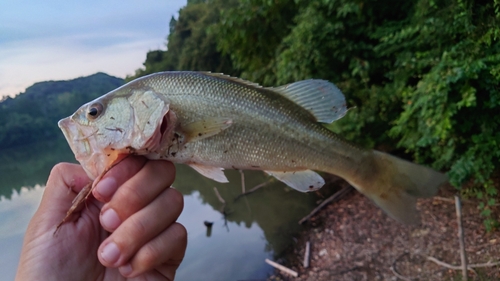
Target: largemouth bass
(213, 122)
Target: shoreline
(352, 239)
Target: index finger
(117, 176)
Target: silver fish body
(213, 122)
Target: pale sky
(60, 40)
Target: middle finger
(137, 192)
(141, 227)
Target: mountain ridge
(33, 114)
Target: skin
(126, 231)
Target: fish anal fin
(303, 181)
(214, 173)
(320, 97)
(205, 128)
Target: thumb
(64, 183)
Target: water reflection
(26, 166)
(256, 227)
(15, 214)
(275, 208)
(230, 253)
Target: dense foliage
(33, 115)
(190, 44)
(422, 77)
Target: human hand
(131, 233)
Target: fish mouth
(80, 145)
(76, 138)
(70, 132)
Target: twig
(242, 181)
(469, 266)
(218, 196)
(451, 200)
(395, 272)
(223, 207)
(253, 189)
(282, 268)
(399, 275)
(463, 255)
(306, 254)
(337, 195)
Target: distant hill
(32, 116)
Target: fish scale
(261, 125)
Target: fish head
(128, 120)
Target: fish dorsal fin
(234, 79)
(321, 98)
(206, 128)
(303, 181)
(215, 173)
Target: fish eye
(94, 110)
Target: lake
(258, 226)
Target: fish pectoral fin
(303, 181)
(215, 173)
(206, 128)
(320, 97)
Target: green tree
(422, 75)
(192, 43)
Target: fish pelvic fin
(395, 184)
(214, 173)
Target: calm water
(258, 226)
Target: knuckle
(163, 167)
(71, 174)
(130, 198)
(166, 165)
(60, 168)
(138, 229)
(177, 198)
(151, 255)
(179, 232)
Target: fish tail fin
(395, 185)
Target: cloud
(29, 61)
(54, 40)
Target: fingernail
(125, 270)
(110, 253)
(110, 220)
(106, 188)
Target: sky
(61, 40)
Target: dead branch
(282, 268)
(253, 189)
(222, 209)
(450, 200)
(218, 196)
(307, 254)
(396, 273)
(463, 254)
(242, 182)
(399, 275)
(469, 266)
(336, 196)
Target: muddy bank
(352, 239)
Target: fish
(213, 122)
